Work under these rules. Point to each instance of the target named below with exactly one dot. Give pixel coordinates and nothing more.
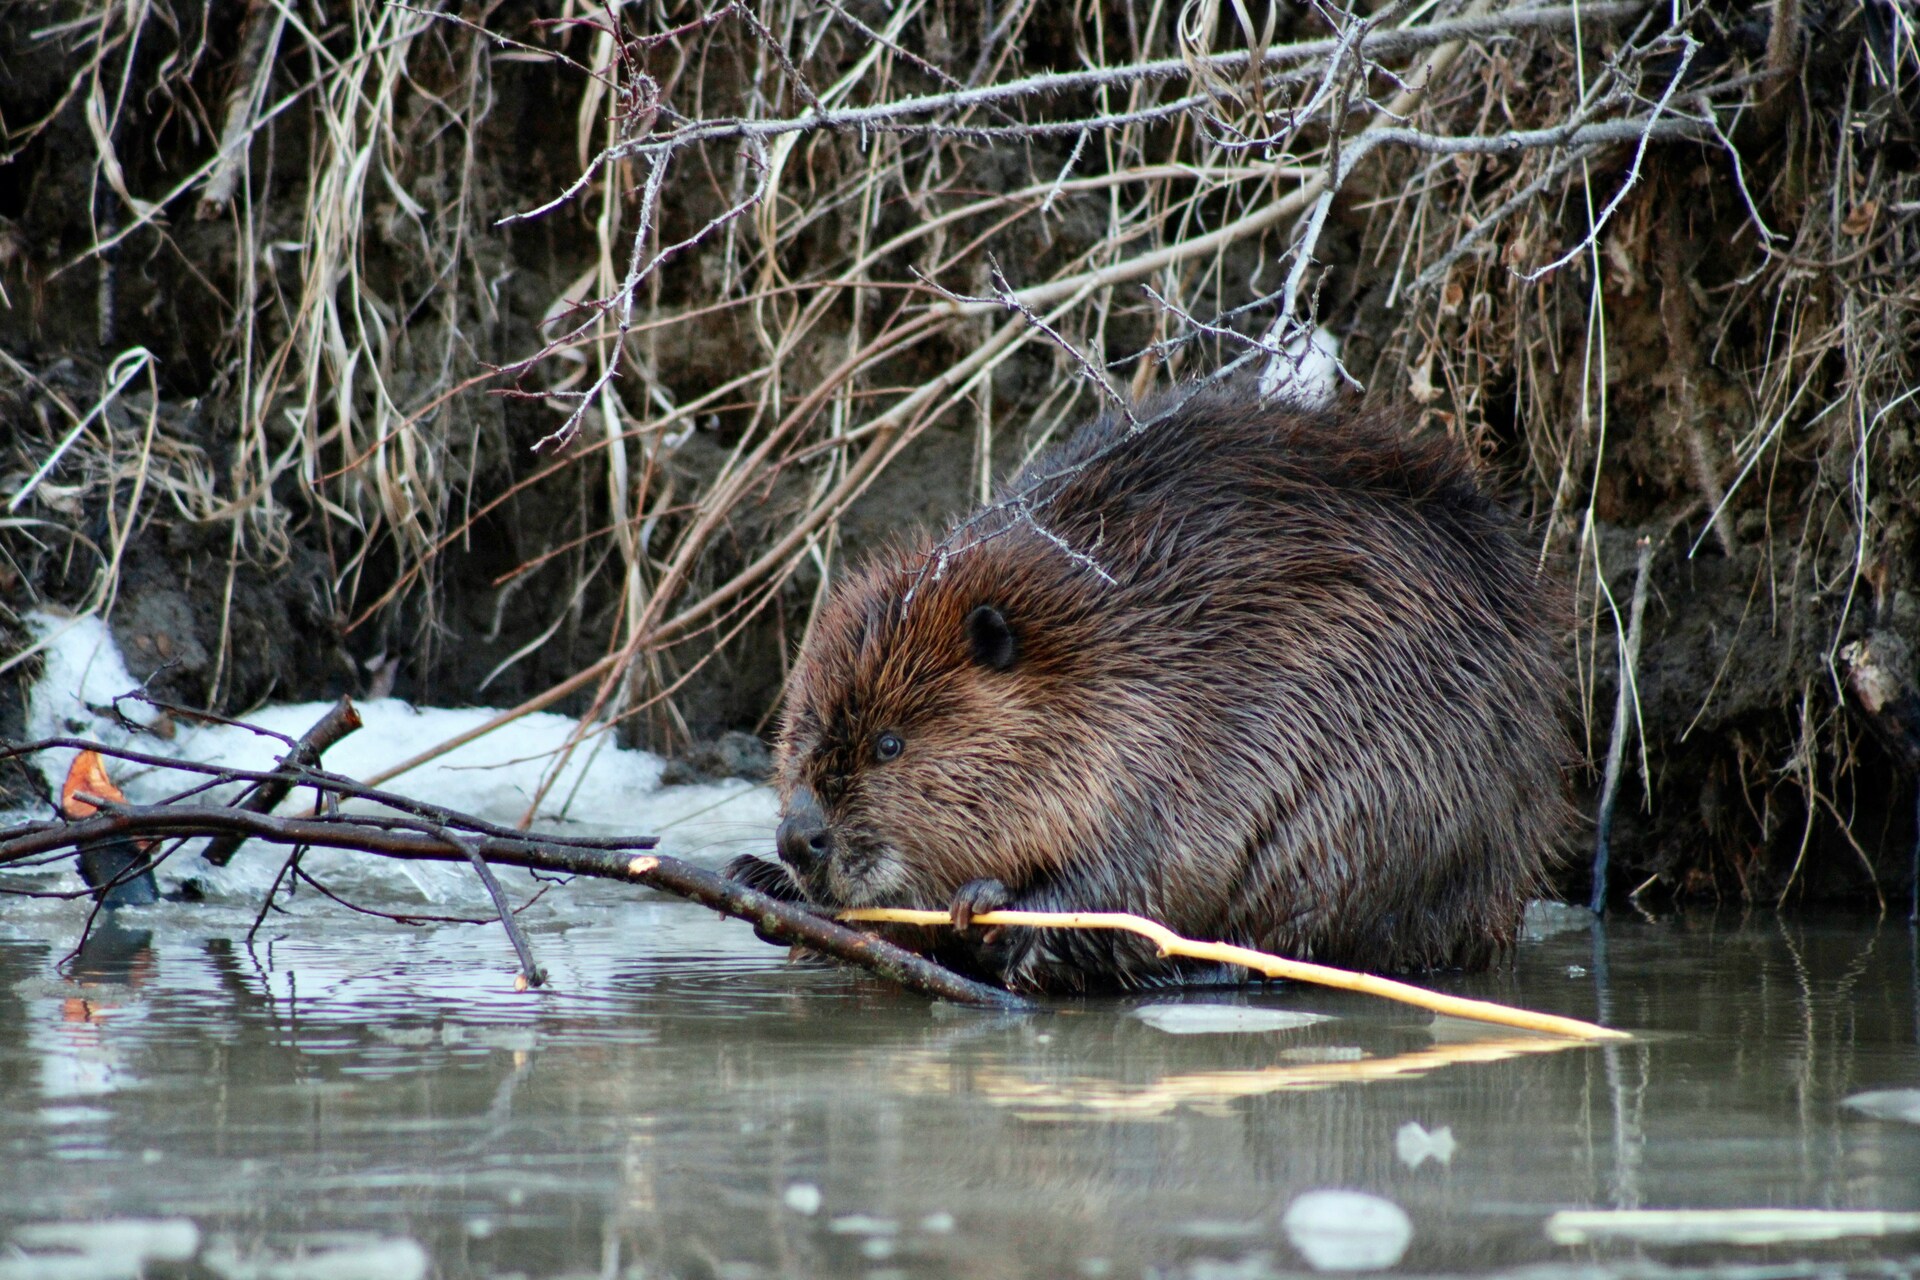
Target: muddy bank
(315, 397)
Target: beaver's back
(1277, 678)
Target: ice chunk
(1347, 1230)
(1415, 1145)
(1214, 1019)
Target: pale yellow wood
(1172, 944)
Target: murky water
(350, 1097)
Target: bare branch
(897, 115)
(1689, 46)
(530, 972)
(771, 916)
(342, 719)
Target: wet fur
(1316, 711)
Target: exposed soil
(1755, 774)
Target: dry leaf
(88, 774)
(1626, 271)
(1420, 380)
(1861, 219)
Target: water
(353, 1098)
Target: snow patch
(1308, 373)
(604, 789)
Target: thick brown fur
(1312, 707)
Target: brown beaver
(1273, 677)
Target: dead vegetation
(562, 351)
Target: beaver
(1270, 676)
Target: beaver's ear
(994, 645)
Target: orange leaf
(89, 774)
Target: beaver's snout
(804, 838)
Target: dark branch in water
(339, 784)
(342, 720)
(530, 973)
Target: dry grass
(815, 233)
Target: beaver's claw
(976, 898)
(770, 878)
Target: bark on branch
(773, 918)
(340, 721)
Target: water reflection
(1097, 1095)
(687, 1104)
(85, 1051)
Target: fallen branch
(1172, 944)
(424, 839)
(340, 721)
(408, 838)
(257, 48)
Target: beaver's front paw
(763, 876)
(976, 898)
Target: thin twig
(898, 114)
(1689, 47)
(288, 867)
(531, 975)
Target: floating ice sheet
(1725, 1226)
(114, 1249)
(1216, 1019)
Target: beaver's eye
(887, 746)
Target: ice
(603, 789)
(803, 1198)
(1214, 1019)
(1887, 1104)
(337, 1256)
(1337, 1230)
(97, 1250)
(1415, 1144)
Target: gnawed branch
(408, 838)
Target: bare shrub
(1657, 262)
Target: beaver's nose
(804, 837)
